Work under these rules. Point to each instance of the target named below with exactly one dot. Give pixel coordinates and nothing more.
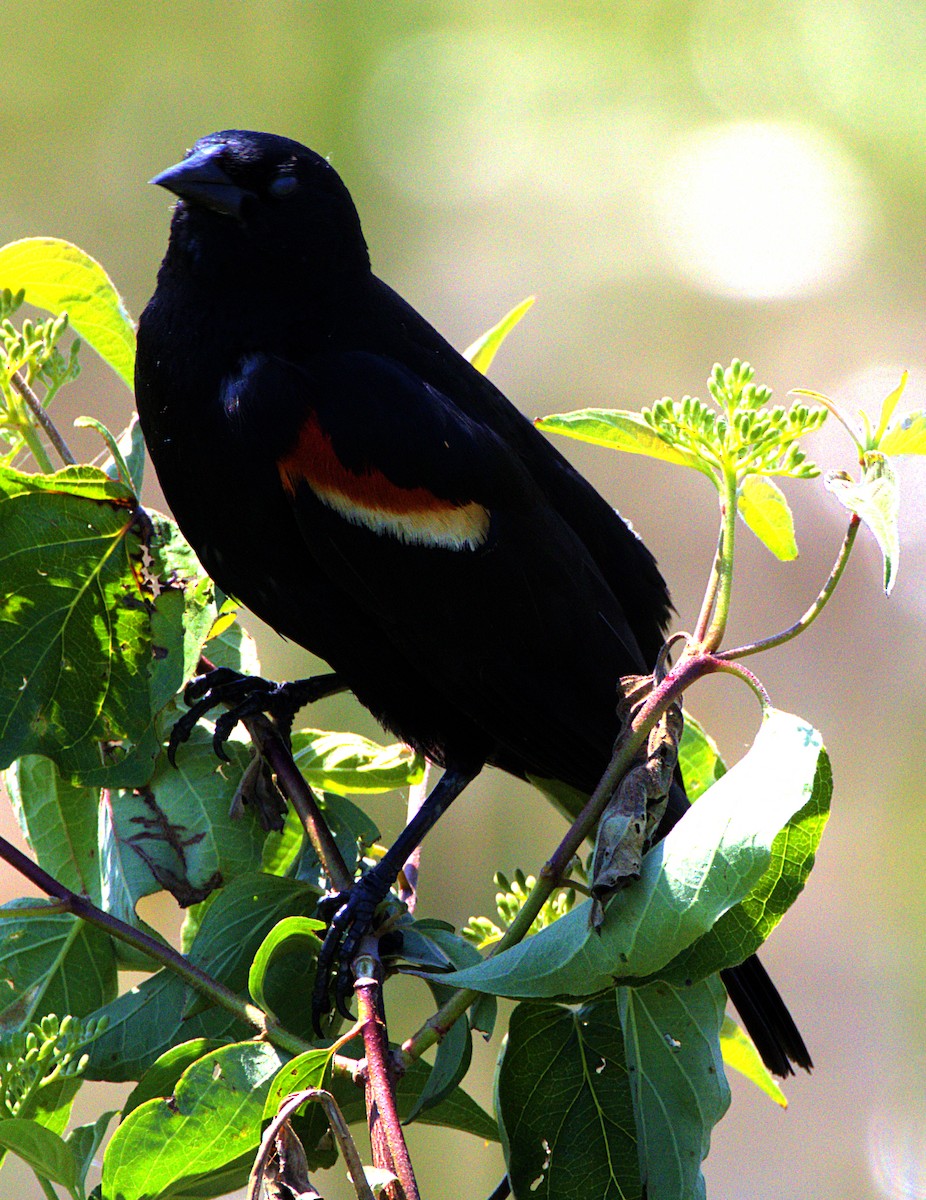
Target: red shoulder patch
(369, 498)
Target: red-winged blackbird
(345, 473)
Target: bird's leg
(247, 695)
(354, 915)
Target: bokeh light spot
(763, 210)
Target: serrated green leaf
(74, 637)
(292, 935)
(210, 1124)
(484, 349)
(564, 1104)
(44, 1151)
(739, 1053)
(60, 277)
(52, 964)
(876, 499)
(712, 859)
(348, 764)
(679, 1087)
(699, 758)
(619, 430)
(763, 507)
(909, 437)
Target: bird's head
(261, 198)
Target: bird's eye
(282, 186)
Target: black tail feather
(766, 1018)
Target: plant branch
(84, 909)
(710, 593)
(269, 741)
(389, 1149)
(813, 611)
(42, 418)
(724, 566)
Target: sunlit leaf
(876, 499)
(909, 437)
(292, 935)
(740, 1053)
(619, 430)
(44, 1151)
(348, 764)
(888, 405)
(709, 863)
(60, 277)
(211, 1123)
(763, 507)
(484, 349)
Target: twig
(338, 1127)
(389, 1149)
(269, 741)
(813, 611)
(85, 910)
(42, 418)
(408, 878)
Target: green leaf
(211, 1123)
(60, 277)
(84, 1141)
(620, 430)
(876, 499)
(162, 1076)
(484, 349)
(763, 507)
(699, 758)
(740, 1053)
(712, 859)
(129, 464)
(743, 929)
(74, 638)
(178, 834)
(564, 1104)
(59, 821)
(292, 935)
(680, 1090)
(310, 1124)
(909, 437)
(890, 402)
(52, 964)
(147, 1021)
(346, 763)
(44, 1151)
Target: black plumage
(345, 473)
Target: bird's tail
(766, 1017)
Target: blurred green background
(678, 183)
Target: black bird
(345, 473)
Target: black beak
(200, 180)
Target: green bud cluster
(746, 435)
(36, 1056)
(30, 355)
(509, 900)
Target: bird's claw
(247, 695)
(351, 922)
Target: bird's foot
(351, 921)
(246, 696)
